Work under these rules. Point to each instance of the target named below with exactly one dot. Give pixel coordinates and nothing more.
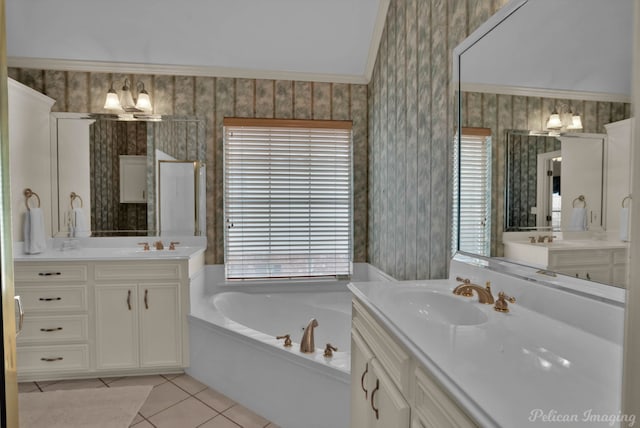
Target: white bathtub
(233, 348)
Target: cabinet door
(389, 406)
(362, 415)
(116, 326)
(160, 331)
(133, 179)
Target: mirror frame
(125, 117)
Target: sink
(431, 305)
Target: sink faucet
(466, 289)
(158, 245)
(307, 344)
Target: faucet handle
(532, 239)
(172, 245)
(463, 280)
(329, 350)
(501, 304)
(287, 340)
(145, 247)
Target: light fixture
(562, 119)
(125, 102)
(554, 121)
(112, 102)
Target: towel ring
(580, 199)
(28, 193)
(75, 196)
(625, 200)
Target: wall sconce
(125, 100)
(562, 118)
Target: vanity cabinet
(102, 318)
(605, 265)
(138, 325)
(389, 388)
(54, 339)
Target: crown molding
(545, 93)
(378, 29)
(182, 70)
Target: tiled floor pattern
(175, 401)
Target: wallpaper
(107, 141)
(212, 99)
(411, 127)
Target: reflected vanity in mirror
(107, 175)
(555, 195)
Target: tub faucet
(159, 245)
(307, 344)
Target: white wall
(29, 153)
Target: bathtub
(233, 345)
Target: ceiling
(579, 46)
(332, 40)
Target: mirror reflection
(107, 175)
(557, 129)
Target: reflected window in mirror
(472, 191)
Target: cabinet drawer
(52, 358)
(64, 328)
(49, 273)
(393, 357)
(56, 299)
(433, 405)
(137, 271)
(580, 257)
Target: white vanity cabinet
(389, 388)
(54, 340)
(139, 313)
(103, 318)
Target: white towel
(79, 227)
(34, 235)
(624, 224)
(578, 220)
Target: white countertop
(572, 244)
(502, 369)
(106, 249)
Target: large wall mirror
(544, 90)
(127, 176)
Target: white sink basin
(431, 305)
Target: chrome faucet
(307, 344)
(466, 289)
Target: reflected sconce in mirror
(562, 118)
(125, 100)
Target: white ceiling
(582, 46)
(312, 39)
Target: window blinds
(472, 193)
(287, 199)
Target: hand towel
(34, 235)
(79, 224)
(624, 224)
(578, 220)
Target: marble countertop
(572, 244)
(501, 368)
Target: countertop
(503, 369)
(111, 249)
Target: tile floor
(175, 401)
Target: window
(287, 198)
(472, 192)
